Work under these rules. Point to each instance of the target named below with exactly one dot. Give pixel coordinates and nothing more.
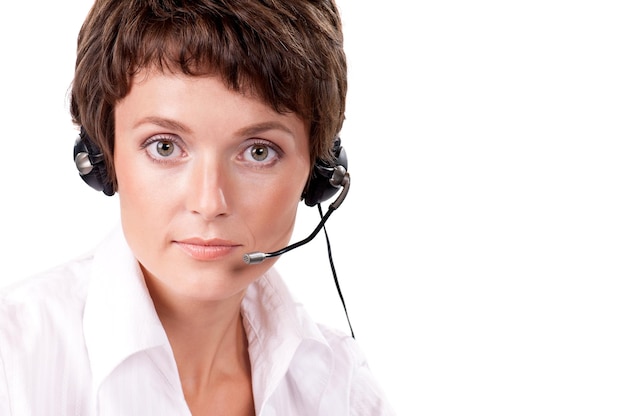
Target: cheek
(142, 204)
(271, 212)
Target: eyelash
(270, 145)
(162, 138)
(175, 141)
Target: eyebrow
(252, 130)
(263, 127)
(166, 123)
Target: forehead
(205, 102)
(244, 89)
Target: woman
(207, 118)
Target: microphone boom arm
(342, 179)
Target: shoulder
(43, 302)
(314, 365)
(342, 344)
(348, 357)
(66, 282)
(41, 336)
(351, 373)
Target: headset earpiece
(90, 163)
(326, 179)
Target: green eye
(259, 152)
(165, 148)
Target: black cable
(332, 268)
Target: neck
(210, 348)
(207, 337)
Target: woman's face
(204, 176)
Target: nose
(207, 189)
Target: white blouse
(84, 339)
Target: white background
(482, 247)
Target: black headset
(326, 178)
(89, 161)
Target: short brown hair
(288, 52)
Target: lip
(206, 250)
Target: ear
(320, 186)
(90, 163)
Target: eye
(163, 148)
(259, 152)
(263, 152)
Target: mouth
(206, 250)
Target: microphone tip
(254, 258)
